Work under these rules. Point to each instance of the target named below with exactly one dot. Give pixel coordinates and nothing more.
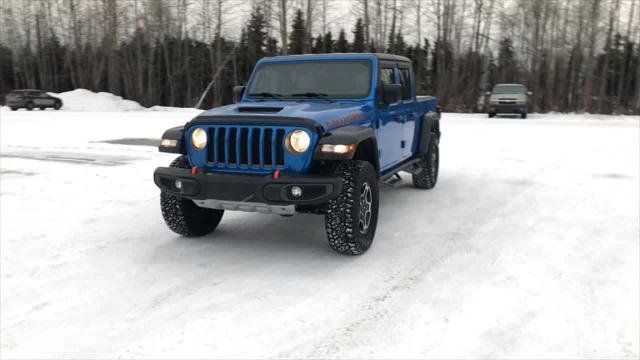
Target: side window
(386, 76)
(405, 82)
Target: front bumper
(508, 108)
(250, 189)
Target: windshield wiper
(313, 95)
(267, 94)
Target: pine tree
(358, 37)
(506, 60)
(256, 37)
(328, 42)
(318, 45)
(342, 45)
(400, 47)
(297, 38)
(272, 47)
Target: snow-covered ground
(527, 248)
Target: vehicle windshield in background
(312, 79)
(509, 89)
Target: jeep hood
(326, 114)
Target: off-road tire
(182, 215)
(14, 108)
(29, 106)
(57, 105)
(523, 115)
(345, 231)
(427, 177)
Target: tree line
(573, 55)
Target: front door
(390, 122)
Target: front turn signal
(339, 149)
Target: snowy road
(528, 247)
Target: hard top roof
(380, 56)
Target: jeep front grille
(244, 147)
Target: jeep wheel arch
(430, 123)
(177, 134)
(363, 137)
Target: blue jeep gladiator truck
(309, 134)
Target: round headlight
(298, 141)
(199, 138)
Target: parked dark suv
(31, 98)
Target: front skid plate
(246, 206)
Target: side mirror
(237, 93)
(488, 93)
(529, 93)
(391, 93)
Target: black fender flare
(363, 137)
(177, 134)
(430, 123)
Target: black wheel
(491, 114)
(14, 108)
(523, 115)
(57, 105)
(182, 215)
(352, 217)
(42, 108)
(29, 106)
(427, 177)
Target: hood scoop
(259, 109)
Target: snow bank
(87, 100)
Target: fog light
(296, 191)
(178, 184)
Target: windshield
(509, 89)
(344, 79)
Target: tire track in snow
(399, 287)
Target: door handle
(400, 119)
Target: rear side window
(386, 76)
(405, 82)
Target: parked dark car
(31, 98)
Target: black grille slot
(244, 152)
(221, 145)
(231, 146)
(266, 150)
(280, 147)
(255, 147)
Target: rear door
(33, 97)
(390, 121)
(407, 107)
